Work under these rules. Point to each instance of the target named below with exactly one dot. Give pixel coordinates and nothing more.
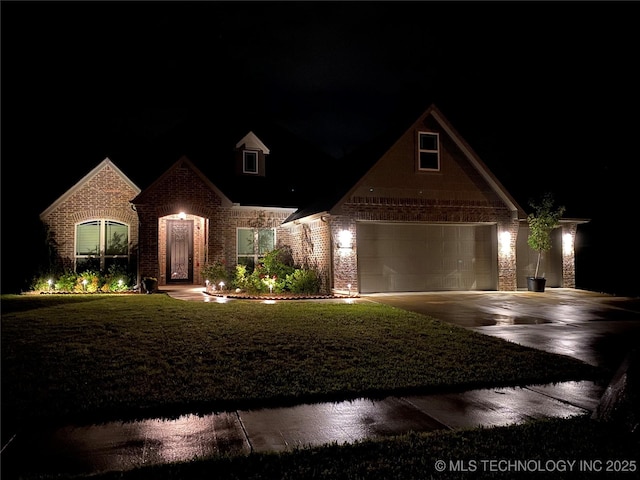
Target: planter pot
(536, 284)
(150, 285)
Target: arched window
(100, 244)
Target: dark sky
(545, 92)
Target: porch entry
(179, 251)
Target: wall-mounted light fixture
(344, 239)
(182, 215)
(505, 243)
(567, 244)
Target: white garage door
(416, 258)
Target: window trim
(101, 254)
(256, 256)
(436, 151)
(244, 161)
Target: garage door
(414, 258)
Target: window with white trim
(253, 244)
(100, 244)
(428, 151)
(250, 161)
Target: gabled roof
(211, 144)
(183, 162)
(357, 164)
(252, 142)
(106, 163)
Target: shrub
(276, 274)
(303, 281)
(216, 272)
(117, 279)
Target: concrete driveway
(594, 327)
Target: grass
(94, 358)
(103, 357)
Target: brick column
(569, 255)
(507, 240)
(148, 265)
(345, 258)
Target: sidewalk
(124, 446)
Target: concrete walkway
(122, 446)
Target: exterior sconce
(505, 243)
(344, 239)
(182, 215)
(567, 244)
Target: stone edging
(239, 296)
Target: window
(250, 161)
(100, 244)
(253, 244)
(428, 151)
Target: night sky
(545, 92)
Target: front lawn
(104, 357)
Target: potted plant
(150, 284)
(544, 218)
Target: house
(418, 211)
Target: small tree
(544, 218)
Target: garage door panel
(410, 257)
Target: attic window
(428, 151)
(249, 161)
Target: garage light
(505, 243)
(567, 244)
(344, 239)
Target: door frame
(169, 240)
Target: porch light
(567, 244)
(344, 239)
(182, 215)
(505, 243)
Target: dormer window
(250, 161)
(428, 151)
(250, 156)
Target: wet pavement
(124, 446)
(596, 328)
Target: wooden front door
(180, 251)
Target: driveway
(597, 328)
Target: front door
(180, 251)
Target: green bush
(66, 282)
(216, 272)
(303, 281)
(117, 279)
(276, 274)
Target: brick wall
(105, 195)
(310, 243)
